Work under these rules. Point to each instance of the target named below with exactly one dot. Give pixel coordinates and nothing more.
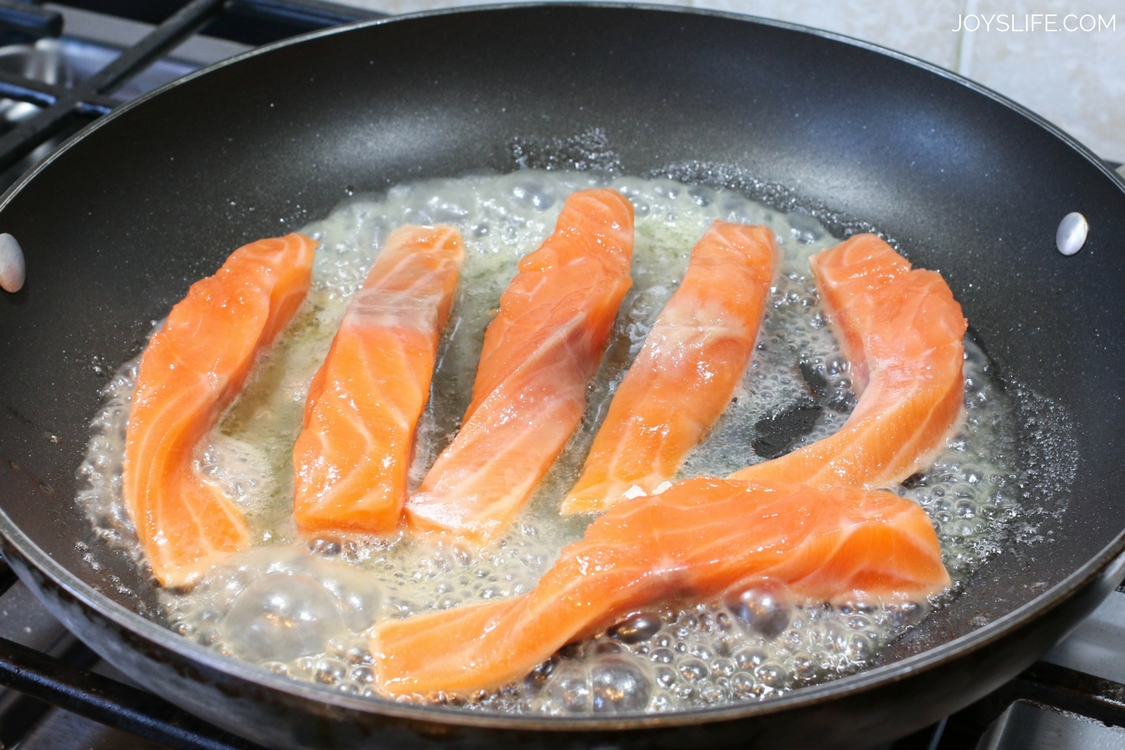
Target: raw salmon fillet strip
(903, 333)
(685, 375)
(192, 370)
(698, 539)
(351, 460)
(538, 356)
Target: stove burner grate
(63, 107)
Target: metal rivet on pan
(1072, 233)
(12, 268)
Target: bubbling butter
(303, 607)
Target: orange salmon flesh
(191, 371)
(695, 540)
(539, 354)
(903, 334)
(816, 522)
(351, 460)
(687, 371)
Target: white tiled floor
(1076, 79)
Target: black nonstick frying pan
(117, 225)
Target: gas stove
(61, 66)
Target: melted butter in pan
(302, 608)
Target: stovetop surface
(1073, 698)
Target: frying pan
(117, 225)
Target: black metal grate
(64, 681)
(253, 22)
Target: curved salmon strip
(539, 354)
(698, 539)
(351, 460)
(903, 334)
(192, 370)
(684, 376)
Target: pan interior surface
(117, 226)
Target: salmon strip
(192, 370)
(539, 354)
(351, 460)
(902, 332)
(698, 539)
(684, 376)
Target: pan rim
(811, 695)
(808, 696)
(647, 7)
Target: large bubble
(763, 606)
(280, 617)
(619, 684)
